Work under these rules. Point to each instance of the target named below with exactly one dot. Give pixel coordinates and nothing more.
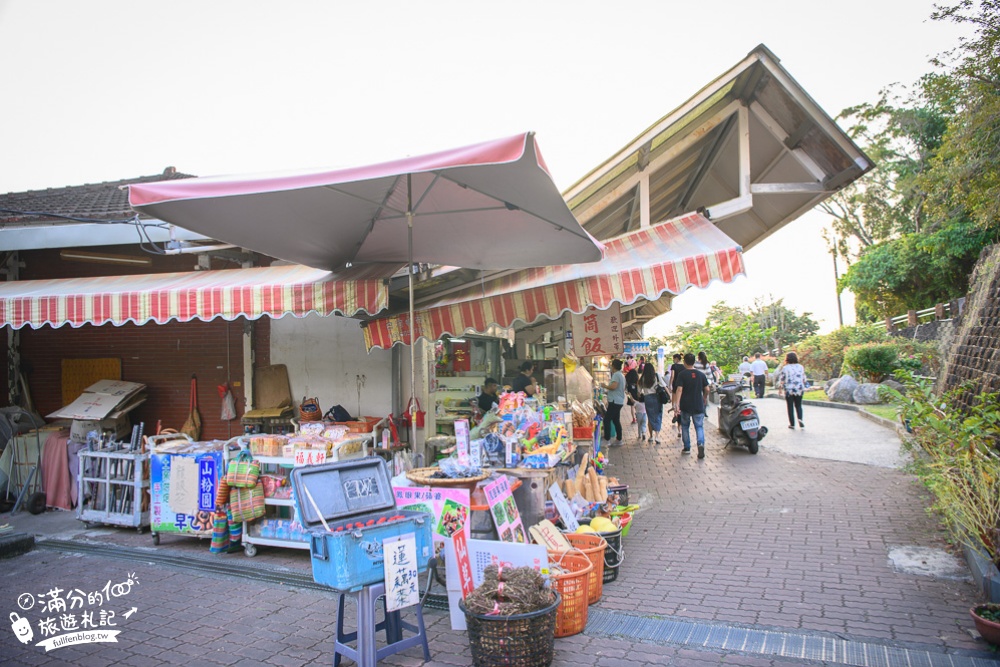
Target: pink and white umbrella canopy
(488, 206)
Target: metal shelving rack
(119, 488)
(250, 541)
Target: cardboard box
(121, 427)
(103, 400)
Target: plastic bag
(228, 407)
(579, 385)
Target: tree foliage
(726, 342)
(913, 228)
(778, 327)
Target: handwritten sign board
(401, 589)
(598, 332)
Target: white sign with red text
(598, 333)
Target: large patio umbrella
(488, 206)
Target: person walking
(651, 401)
(690, 399)
(745, 367)
(792, 379)
(616, 400)
(676, 369)
(759, 370)
(638, 405)
(631, 391)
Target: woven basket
(309, 410)
(593, 546)
(521, 640)
(423, 477)
(572, 585)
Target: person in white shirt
(759, 370)
(745, 366)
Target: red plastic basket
(593, 547)
(573, 585)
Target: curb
(15, 544)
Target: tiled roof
(98, 201)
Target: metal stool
(366, 654)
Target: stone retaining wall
(974, 356)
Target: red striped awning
(667, 257)
(201, 295)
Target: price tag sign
(462, 440)
(564, 508)
(309, 457)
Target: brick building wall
(161, 356)
(974, 353)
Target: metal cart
(114, 488)
(167, 453)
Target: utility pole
(836, 280)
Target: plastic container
(354, 493)
(613, 555)
(592, 545)
(521, 640)
(572, 585)
(583, 432)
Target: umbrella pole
(413, 341)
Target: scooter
(738, 418)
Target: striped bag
(243, 471)
(247, 504)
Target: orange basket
(362, 425)
(571, 617)
(583, 432)
(593, 547)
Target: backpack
(338, 414)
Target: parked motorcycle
(738, 418)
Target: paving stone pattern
(772, 542)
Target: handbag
(243, 471)
(247, 503)
(662, 395)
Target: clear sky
(105, 90)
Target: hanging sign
(598, 332)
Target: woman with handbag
(650, 387)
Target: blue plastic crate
(348, 493)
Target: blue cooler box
(351, 494)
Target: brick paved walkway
(771, 541)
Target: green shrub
(823, 356)
(917, 357)
(871, 362)
(960, 464)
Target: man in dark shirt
(489, 395)
(524, 382)
(690, 397)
